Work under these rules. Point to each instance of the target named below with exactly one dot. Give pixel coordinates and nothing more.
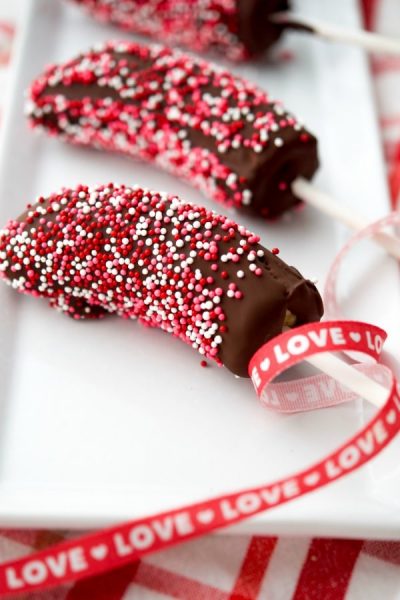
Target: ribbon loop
(303, 342)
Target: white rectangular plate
(102, 422)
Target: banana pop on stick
(186, 115)
(237, 29)
(141, 254)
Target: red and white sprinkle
(132, 252)
(200, 25)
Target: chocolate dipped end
(256, 30)
(274, 177)
(269, 174)
(262, 313)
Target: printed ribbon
(318, 391)
(112, 548)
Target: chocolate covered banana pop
(239, 29)
(219, 132)
(170, 264)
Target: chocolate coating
(256, 31)
(220, 132)
(172, 265)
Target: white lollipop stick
(354, 380)
(304, 190)
(371, 42)
(348, 376)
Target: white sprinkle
(246, 197)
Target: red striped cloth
(244, 567)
